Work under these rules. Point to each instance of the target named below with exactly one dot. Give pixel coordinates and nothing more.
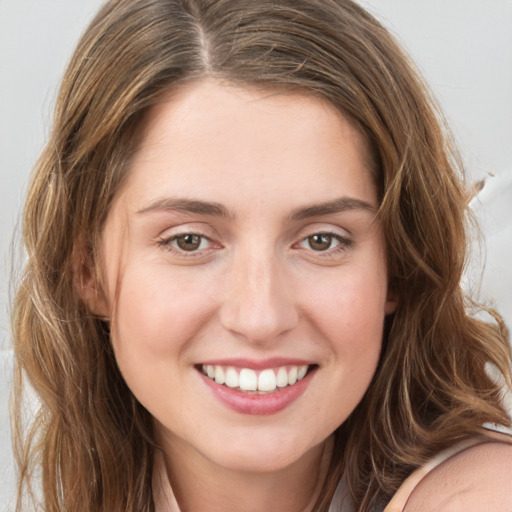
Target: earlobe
(391, 302)
(87, 283)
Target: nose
(258, 305)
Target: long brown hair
(91, 439)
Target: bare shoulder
(477, 479)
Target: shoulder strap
(401, 497)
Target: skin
(254, 288)
(475, 480)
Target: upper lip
(257, 364)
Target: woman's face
(241, 253)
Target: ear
(391, 301)
(87, 282)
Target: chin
(262, 453)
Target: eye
(186, 242)
(322, 242)
(190, 242)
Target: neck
(201, 485)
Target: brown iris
(320, 242)
(188, 242)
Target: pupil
(189, 242)
(320, 242)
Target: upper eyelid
(323, 228)
(192, 228)
(208, 232)
(341, 238)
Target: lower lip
(264, 404)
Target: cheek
(349, 309)
(352, 322)
(157, 313)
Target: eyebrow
(187, 206)
(338, 205)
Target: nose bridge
(258, 305)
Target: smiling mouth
(251, 381)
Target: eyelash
(343, 244)
(167, 244)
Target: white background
(463, 47)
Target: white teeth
(282, 378)
(301, 372)
(267, 380)
(231, 378)
(292, 376)
(247, 379)
(219, 375)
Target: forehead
(208, 135)
(194, 102)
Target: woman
(245, 242)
